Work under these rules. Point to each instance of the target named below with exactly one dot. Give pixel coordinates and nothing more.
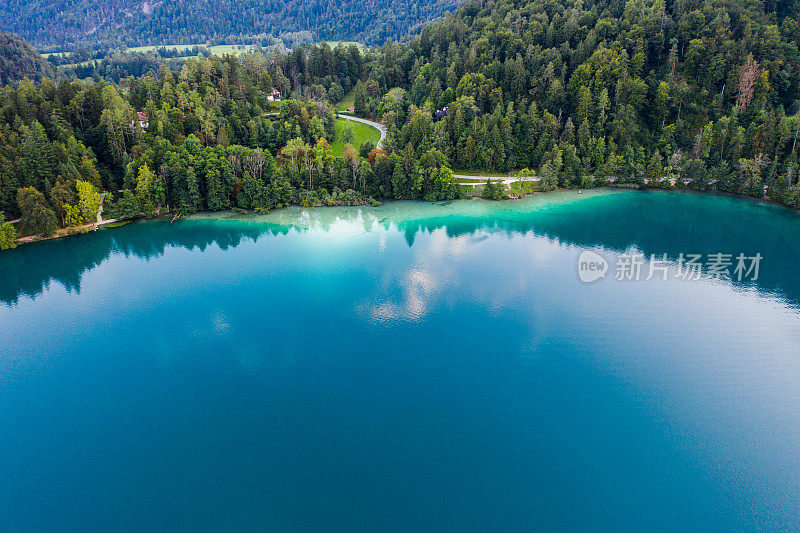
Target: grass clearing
(347, 102)
(361, 133)
(230, 49)
(218, 50)
(333, 44)
(178, 47)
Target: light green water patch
(614, 220)
(399, 212)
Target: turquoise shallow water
(407, 367)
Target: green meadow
(361, 133)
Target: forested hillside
(19, 60)
(702, 95)
(705, 94)
(62, 25)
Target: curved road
(505, 180)
(381, 128)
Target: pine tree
(215, 197)
(37, 217)
(36, 158)
(194, 200)
(145, 183)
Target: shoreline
(63, 233)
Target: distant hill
(19, 60)
(69, 24)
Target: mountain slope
(19, 60)
(67, 24)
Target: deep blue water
(404, 368)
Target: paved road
(506, 180)
(100, 211)
(100, 221)
(382, 128)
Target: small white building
(274, 96)
(141, 119)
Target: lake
(408, 367)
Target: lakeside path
(380, 127)
(100, 221)
(62, 232)
(472, 181)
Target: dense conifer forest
(61, 25)
(688, 94)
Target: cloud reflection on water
(615, 220)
